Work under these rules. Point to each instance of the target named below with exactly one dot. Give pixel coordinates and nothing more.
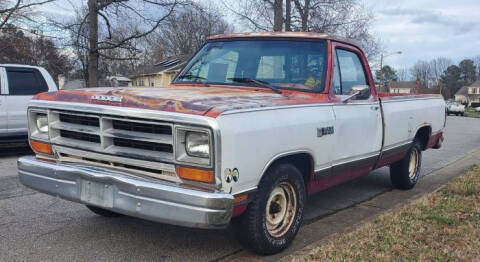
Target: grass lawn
(470, 112)
(442, 226)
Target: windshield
(293, 64)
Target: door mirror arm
(362, 92)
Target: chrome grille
(132, 138)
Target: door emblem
(329, 130)
(107, 98)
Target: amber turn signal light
(40, 147)
(195, 174)
(240, 198)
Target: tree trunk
(93, 43)
(306, 16)
(278, 15)
(288, 16)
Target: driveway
(35, 226)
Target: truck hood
(210, 101)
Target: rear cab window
(25, 81)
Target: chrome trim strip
(60, 152)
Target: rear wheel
(274, 217)
(404, 174)
(103, 212)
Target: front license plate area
(97, 194)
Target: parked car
(477, 109)
(18, 84)
(455, 108)
(248, 129)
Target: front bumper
(158, 201)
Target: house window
(152, 83)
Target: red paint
(391, 159)
(434, 138)
(315, 186)
(390, 96)
(196, 100)
(238, 210)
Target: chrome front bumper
(158, 201)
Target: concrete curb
(314, 234)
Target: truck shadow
(15, 149)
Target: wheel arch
(423, 135)
(302, 159)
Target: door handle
(374, 108)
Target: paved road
(34, 226)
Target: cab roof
(308, 35)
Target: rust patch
(196, 100)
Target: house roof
(170, 64)
(475, 84)
(403, 84)
(462, 91)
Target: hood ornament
(107, 98)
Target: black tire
(251, 227)
(400, 173)
(462, 114)
(103, 212)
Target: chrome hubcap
(412, 169)
(280, 210)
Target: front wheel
(274, 217)
(404, 174)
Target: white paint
(251, 140)
(16, 105)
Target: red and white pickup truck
(252, 125)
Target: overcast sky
(421, 29)
(426, 29)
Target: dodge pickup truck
(250, 127)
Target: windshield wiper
(191, 77)
(257, 82)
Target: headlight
(42, 123)
(197, 144)
(38, 124)
(193, 146)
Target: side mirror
(358, 92)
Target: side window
(25, 81)
(337, 87)
(350, 71)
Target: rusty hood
(210, 101)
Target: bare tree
(111, 29)
(347, 18)
(438, 67)
(17, 9)
(421, 72)
(476, 60)
(186, 31)
(403, 74)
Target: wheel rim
(412, 169)
(281, 209)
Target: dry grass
(443, 226)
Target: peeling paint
(196, 100)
